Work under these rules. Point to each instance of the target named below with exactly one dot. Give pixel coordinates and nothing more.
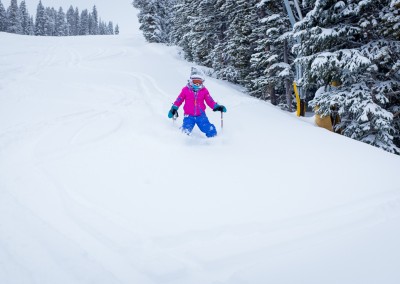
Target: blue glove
(218, 107)
(173, 111)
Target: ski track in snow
(69, 227)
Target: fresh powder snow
(97, 185)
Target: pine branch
(392, 94)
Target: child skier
(194, 94)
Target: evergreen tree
(31, 26)
(95, 21)
(50, 24)
(181, 31)
(169, 13)
(239, 47)
(390, 27)
(116, 30)
(40, 22)
(342, 42)
(71, 23)
(3, 18)
(102, 27)
(14, 18)
(218, 57)
(61, 24)
(91, 24)
(203, 34)
(165, 12)
(214, 28)
(77, 22)
(271, 73)
(110, 29)
(84, 23)
(25, 19)
(152, 23)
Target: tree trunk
(272, 94)
(287, 83)
(271, 87)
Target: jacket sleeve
(209, 100)
(181, 98)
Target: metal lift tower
(300, 96)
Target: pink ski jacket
(194, 101)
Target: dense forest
(51, 22)
(348, 51)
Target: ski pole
(222, 120)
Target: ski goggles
(197, 82)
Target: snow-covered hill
(97, 185)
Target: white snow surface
(97, 185)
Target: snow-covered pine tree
(84, 23)
(77, 22)
(40, 21)
(395, 4)
(61, 24)
(222, 60)
(204, 32)
(95, 21)
(239, 46)
(384, 53)
(392, 27)
(116, 30)
(152, 24)
(50, 25)
(91, 23)
(218, 58)
(166, 12)
(218, 34)
(14, 18)
(31, 26)
(342, 43)
(25, 19)
(271, 74)
(189, 41)
(169, 14)
(71, 20)
(110, 28)
(102, 27)
(181, 29)
(391, 20)
(3, 18)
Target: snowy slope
(98, 186)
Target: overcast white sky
(121, 12)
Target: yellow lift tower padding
(296, 92)
(330, 121)
(298, 102)
(324, 122)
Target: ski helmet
(197, 74)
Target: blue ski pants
(202, 122)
